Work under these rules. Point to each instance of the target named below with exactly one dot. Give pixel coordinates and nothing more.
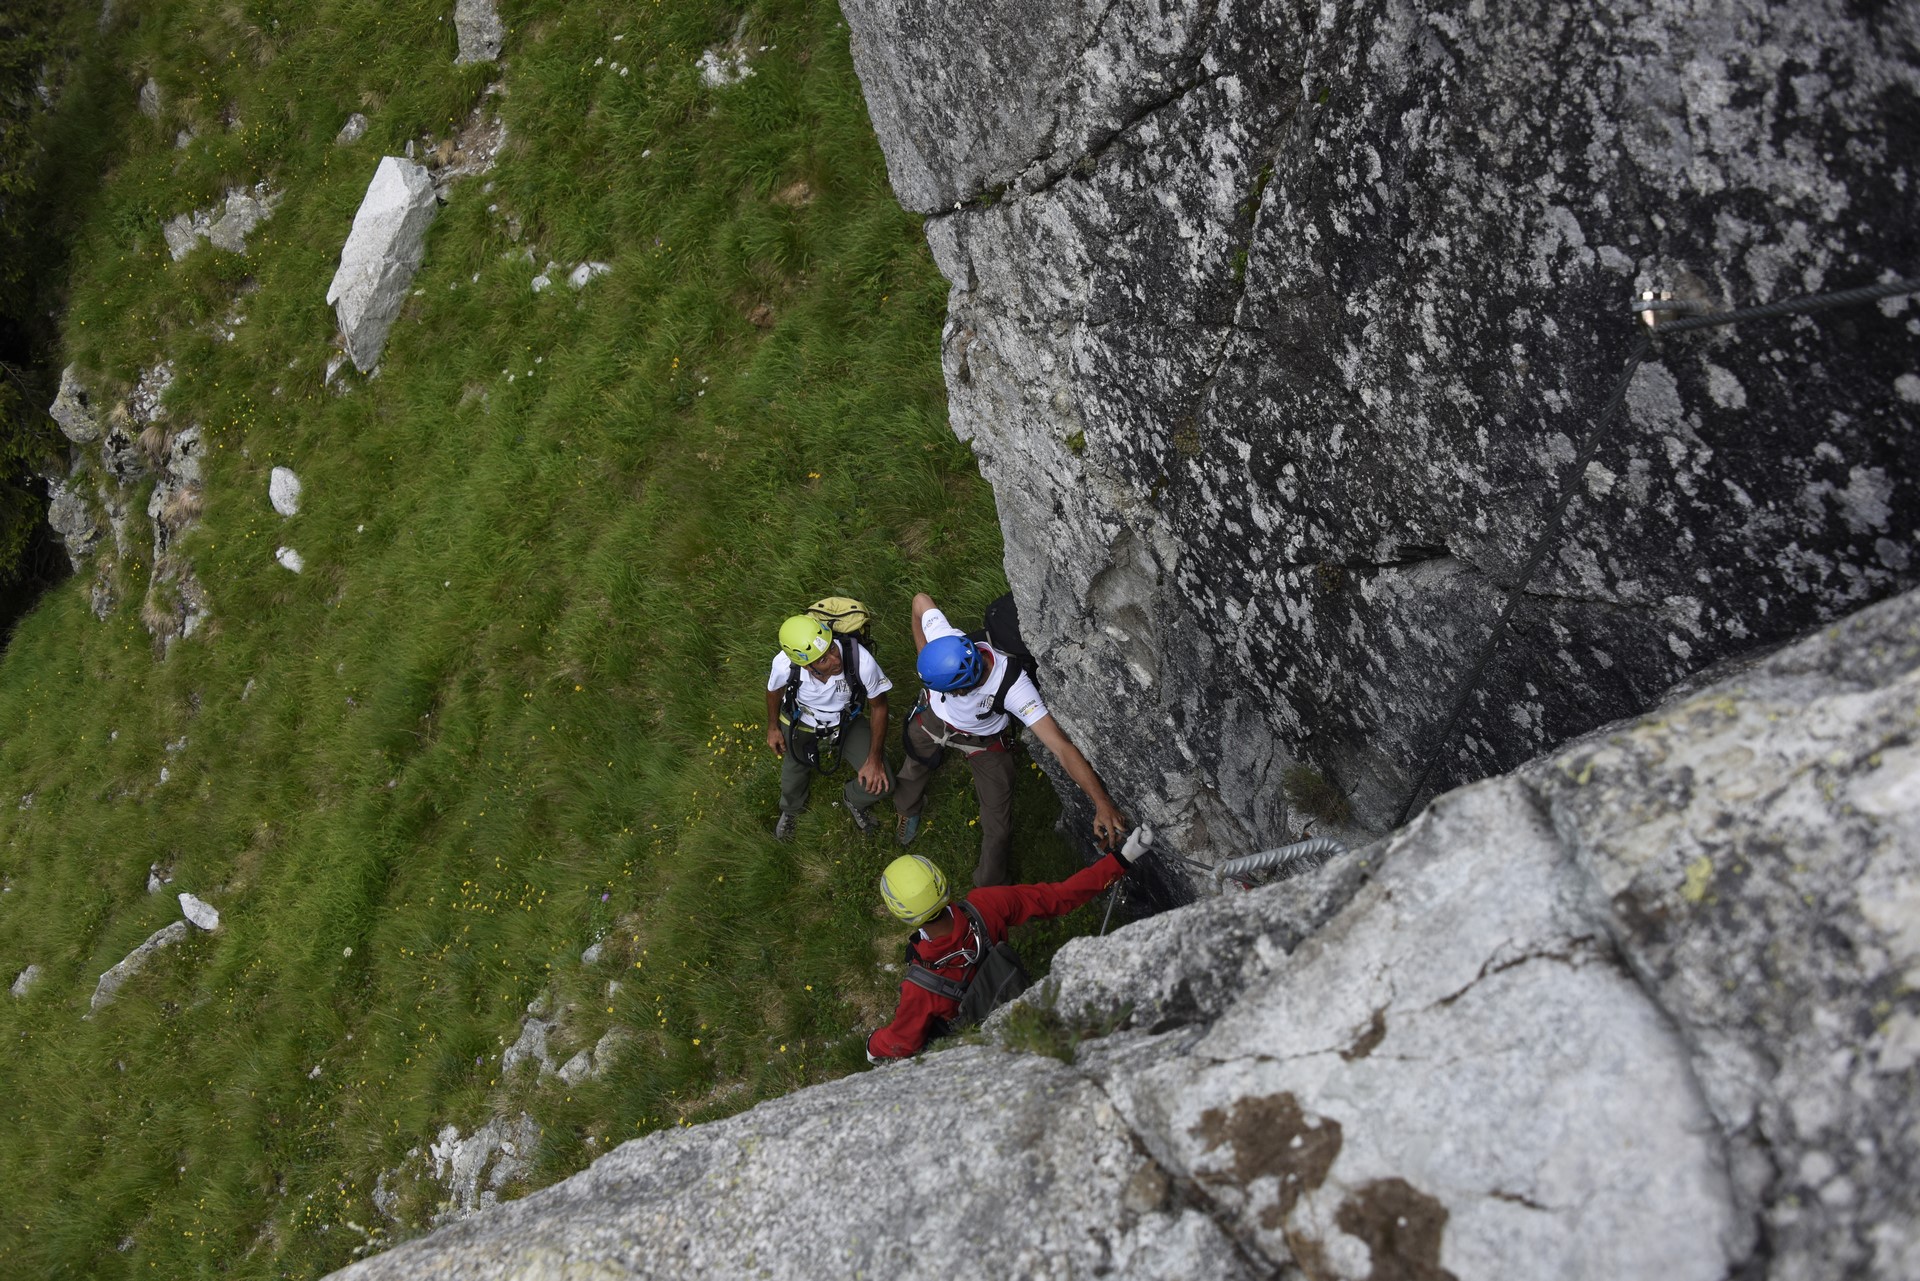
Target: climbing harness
(850, 624)
(995, 974)
(1655, 314)
(944, 736)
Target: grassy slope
(514, 702)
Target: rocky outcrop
(1029, 1187)
(72, 409)
(1280, 334)
(73, 518)
(114, 979)
(381, 253)
(1643, 1008)
(225, 225)
(474, 1169)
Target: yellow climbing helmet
(915, 890)
(804, 638)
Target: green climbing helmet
(805, 639)
(914, 889)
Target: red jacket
(1002, 907)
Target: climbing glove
(1136, 847)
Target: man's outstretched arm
(1109, 824)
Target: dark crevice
(1501, 1194)
(1621, 954)
(1583, 946)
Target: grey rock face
(72, 409)
(73, 519)
(114, 979)
(24, 981)
(1028, 1187)
(479, 29)
(1278, 332)
(382, 252)
(1644, 1008)
(351, 132)
(149, 95)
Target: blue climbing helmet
(951, 664)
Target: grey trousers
(992, 784)
(796, 778)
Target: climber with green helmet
(950, 943)
(972, 694)
(837, 711)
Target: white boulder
(283, 490)
(381, 254)
(289, 558)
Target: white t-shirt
(969, 712)
(822, 701)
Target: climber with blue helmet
(827, 702)
(972, 693)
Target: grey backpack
(995, 978)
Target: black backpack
(1002, 631)
(995, 978)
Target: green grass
(1315, 795)
(514, 702)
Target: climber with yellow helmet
(958, 965)
(827, 702)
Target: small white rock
(203, 914)
(587, 271)
(289, 558)
(283, 490)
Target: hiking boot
(865, 821)
(907, 830)
(785, 828)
